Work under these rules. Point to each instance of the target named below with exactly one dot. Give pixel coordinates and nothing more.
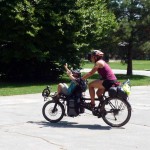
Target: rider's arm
(66, 68)
(98, 64)
(69, 73)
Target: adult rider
(106, 80)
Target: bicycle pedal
(95, 111)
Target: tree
(20, 56)
(132, 16)
(143, 31)
(98, 24)
(39, 36)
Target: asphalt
(22, 126)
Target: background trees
(39, 36)
(133, 17)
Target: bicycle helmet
(77, 72)
(95, 53)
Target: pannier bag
(122, 91)
(117, 92)
(73, 106)
(112, 92)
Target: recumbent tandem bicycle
(114, 107)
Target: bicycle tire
(46, 92)
(112, 108)
(48, 113)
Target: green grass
(30, 88)
(22, 88)
(141, 65)
(136, 80)
(12, 88)
(137, 65)
(26, 88)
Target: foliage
(98, 24)
(38, 36)
(133, 19)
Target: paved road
(22, 127)
(118, 71)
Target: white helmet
(95, 53)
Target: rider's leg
(62, 88)
(95, 84)
(59, 88)
(100, 92)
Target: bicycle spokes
(117, 112)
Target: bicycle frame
(110, 109)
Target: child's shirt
(72, 87)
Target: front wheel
(116, 112)
(52, 111)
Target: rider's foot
(89, 106)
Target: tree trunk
(129, 58)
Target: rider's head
(95, 55)
(76, 73)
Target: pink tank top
(106, 72)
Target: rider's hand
(66, 65)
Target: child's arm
(66, 67)
(69, 73)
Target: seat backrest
(76, 92)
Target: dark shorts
(108, 83)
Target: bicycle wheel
(53, 112)
(116, 112)
(46, 92)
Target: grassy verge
(137, 65)
(12, 88)
(7, 89)
(30, 88)
(136, 80)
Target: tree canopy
(38, 36)
(133, 17)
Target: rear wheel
(52, 111)
(116, 112)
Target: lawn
(30, 88)
(137, 65)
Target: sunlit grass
(30, 88)
(137, 65)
